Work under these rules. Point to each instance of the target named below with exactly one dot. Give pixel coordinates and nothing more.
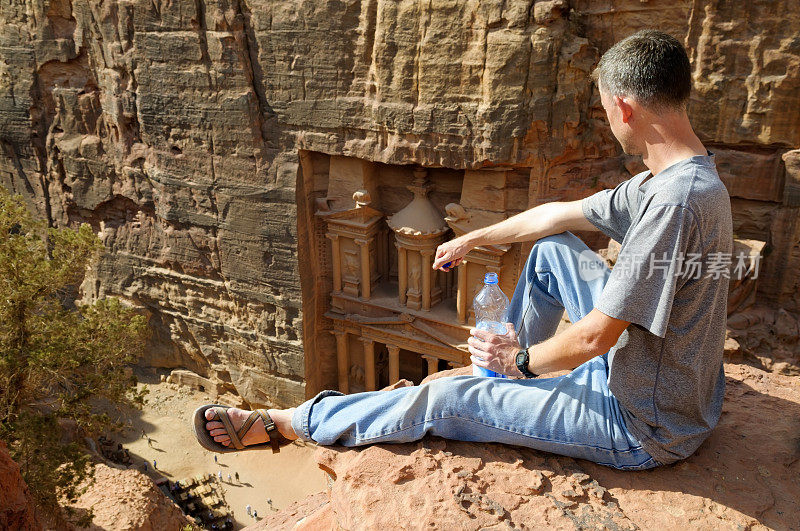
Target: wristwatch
(522, 364)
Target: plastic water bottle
(491, 313)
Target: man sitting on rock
(645, 350)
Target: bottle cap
(490, 278)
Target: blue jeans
(574, 415)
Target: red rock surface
(312, 512)
(128, 500)
(16, 504)
(745, 476)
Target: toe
(217, 432)
(214, 425)
(210, 415)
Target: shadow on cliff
(135, 428)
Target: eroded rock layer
(177, 130)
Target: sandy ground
(283, 478)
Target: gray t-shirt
(666, 368)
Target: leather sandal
(276, 440)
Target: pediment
(406, 326)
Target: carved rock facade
(197, 139)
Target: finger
(481, 334)
(511, 329)
(487, 356)
(441, 258)
(477, 361)
(477, 344)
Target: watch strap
(523, 364)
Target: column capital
(366, 339)
(332, 236)
(359, 241)
(338, 332)
(391, 348)
(426, 252)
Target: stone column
(394, 363)
(425, 260)
(402, 273)
(383, 254)
(343, 360)
(433, 363)
(369, 363)
(365, 278)
(461, 294)
(337, 262)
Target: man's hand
(499, 353)
(451, 254)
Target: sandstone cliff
(178, 130)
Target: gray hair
(650, 66)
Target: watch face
(520, 357)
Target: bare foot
(257, 433)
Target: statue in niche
(351, 265)
(413, 276)
(382, 361)
(357, 374)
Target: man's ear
(624, 107)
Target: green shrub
(57, 361)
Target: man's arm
(591, 336)
(532, 224)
